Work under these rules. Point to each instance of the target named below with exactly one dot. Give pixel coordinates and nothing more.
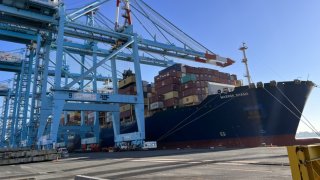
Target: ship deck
(218, 163)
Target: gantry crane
(45, 27)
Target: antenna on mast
(245, 61)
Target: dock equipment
(305, 162)
(45, 86)
(21, 155)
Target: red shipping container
(195, 84)
(156, 98)
(170, 73)
(171, 102)
(197, 71)
(177, 67)
(224, 76)
(216, 73)
(191, 91)
(224, 81)
(166, 76)
(204, 70)
(168, 88)
(191, 84)
(190, 70)
(128, 90)
(167, 81)
(215, 79)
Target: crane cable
(143, 13)
(165, 26)
(313, 128)
(174, 28)
(291, 111)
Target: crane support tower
(53, 75)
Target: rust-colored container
(129, 90)
(168, 88)
(190, 70)
(167, 81)
(195, 84)
(175, 67)
(191, 91)
(156, 98)
(171, 102)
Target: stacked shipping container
(128, 86)
(181, 85)
(177, 85)
(167, 85)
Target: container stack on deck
(128, 86)
(177, 85)
(182, 85)
(167, 85)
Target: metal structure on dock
(46, 85)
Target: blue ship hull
(246, 117)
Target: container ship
(200, 107)
(190, 107)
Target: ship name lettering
(234, 95)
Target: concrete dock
(218, 163)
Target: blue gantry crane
(47, 85)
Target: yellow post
(304, 162)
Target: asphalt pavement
(219, 163)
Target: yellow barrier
(304, 162)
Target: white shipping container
(92, 140)
(150, 145)
(217, 88)
(156, 105)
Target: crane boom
(86, 9)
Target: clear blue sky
(283, 37)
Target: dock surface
(218, 163)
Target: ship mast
(245, 61)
